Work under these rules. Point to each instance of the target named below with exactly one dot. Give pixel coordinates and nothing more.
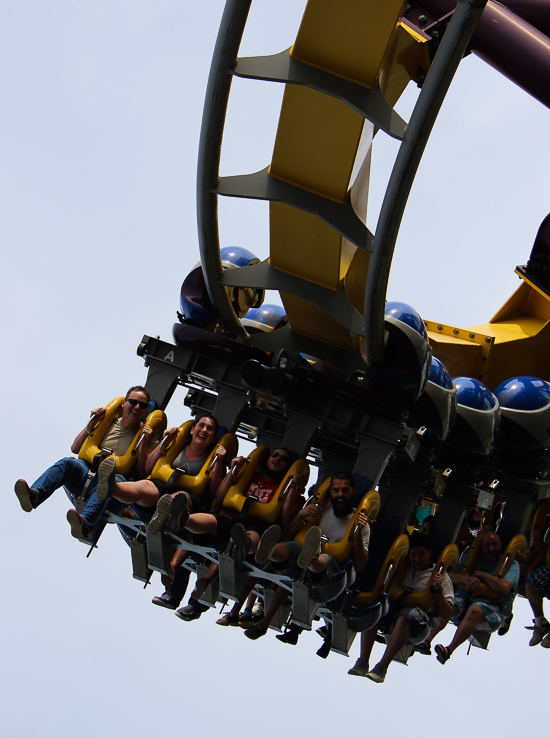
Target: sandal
(425, 648)
(442, 654)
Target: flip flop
(442, 654)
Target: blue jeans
(71, 473)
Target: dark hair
(420, 540)
(346, 476)
(200, 416)
(139, 388)
(291, 454)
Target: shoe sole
(254, 634)
(21, 489)
(186, 618)
(312, 543)
(160, 517)
(103, 475)
(225, 624)
(162, 603)
(179, 513)
(268, 541)
(545, 643)
(375, 678)
(76, 523)
(357, 672)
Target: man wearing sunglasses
(73, 473)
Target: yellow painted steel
(319, 140)
(348, 37)
(491, 352)
(164, 469)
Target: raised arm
(360, 553)
(155, 455)
(78, 442)
(291, 505)
(218, 472)
(441, 602)
(306, 512)
(227, 481)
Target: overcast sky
(102, 106)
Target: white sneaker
(539, 632)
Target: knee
(475, 614)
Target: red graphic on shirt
(261, 488)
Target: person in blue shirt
(471, 611)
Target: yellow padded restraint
(164, 469)
(399, 549)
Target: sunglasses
(277, 455)
(143, 405)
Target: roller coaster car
(164, 470)
(362, 611)
(307, 596)
(91, 451)
(231, 575)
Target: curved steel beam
(438, 80)
(213, 120)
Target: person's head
(491, 547)
(420, 551)
(428, 525)
(342, 489)
(278, 463)
(134, 406)
(204, 432)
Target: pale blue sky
(102, 106)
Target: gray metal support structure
(213, 120)
(438, 80)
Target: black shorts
(196, 502)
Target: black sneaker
(188, 613)
(256, 631)
(166, 600)
(291, 635)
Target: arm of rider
(143, 455)
(218, 472)
(472, 583)
(98, 413)
(291, 505)
(441, 602)
(155, 455)
(360, 553)
(236, 465)
(308, 511)
(502, 586)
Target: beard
(341, 512)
